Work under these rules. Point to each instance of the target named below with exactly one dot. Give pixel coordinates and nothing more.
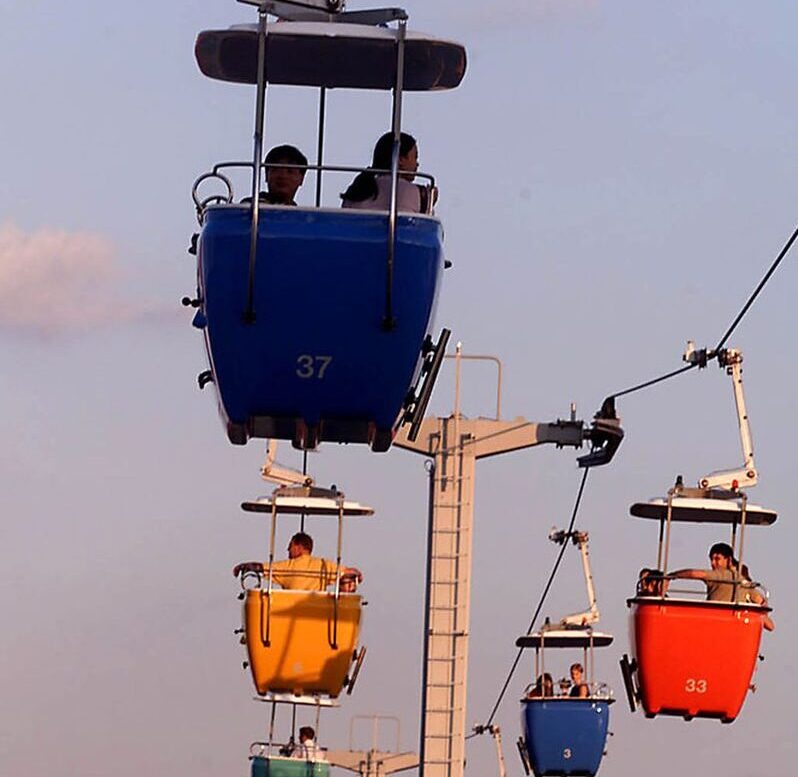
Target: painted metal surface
(695, 659)
(306, 505)
(565, 736)
(317, 354)
(290, 643)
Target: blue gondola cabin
(318, 321)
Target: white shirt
(408, 197)
(307, 750)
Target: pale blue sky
(614, 177)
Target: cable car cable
(540, 604)
(723, 340)
(752, 298)
(653, 381)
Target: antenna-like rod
(591, 616)
(746, 476)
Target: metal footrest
(420, 394)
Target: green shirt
(720, 585)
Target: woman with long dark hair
(371, 190)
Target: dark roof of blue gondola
(578, 638)
(332, 55)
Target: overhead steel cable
(651, 382)
(723, 340)
(540, 604)
(752, 298)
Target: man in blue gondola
(285, 171)
(308, 749)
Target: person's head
(545, 684)
(721, 556)
(364, 187)
(301, 544)
(306, 733)
(577, 670)
(283, 182)
(650, 582)
(408, 154)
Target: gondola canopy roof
(698, 510)
(564, 638)
(333, 55)
(301, 505)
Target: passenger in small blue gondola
(307, 749)
(579, 688)
(302, 571)
(372, 191)
(543, 687)
(284, 175)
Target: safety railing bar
(320, 142)
(429, 179)
(323, 168)
(693, 594)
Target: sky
(615, 178)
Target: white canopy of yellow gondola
(305, 505)
(302, 700)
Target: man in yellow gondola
(302, 571)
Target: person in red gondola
(722, 580)
(748, 592)
(650, 582)
(726, 581)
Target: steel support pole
(455, 444)
(260, 107)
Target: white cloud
(54, 282)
